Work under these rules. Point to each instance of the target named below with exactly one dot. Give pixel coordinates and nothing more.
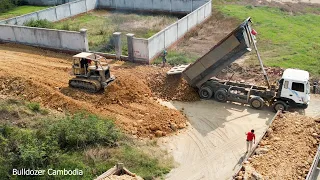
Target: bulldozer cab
(85, 64)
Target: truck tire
(256, 102)
(205, 93)
(279, 105)
(221, 95)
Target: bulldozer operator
(84, 63)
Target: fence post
(83, 32)
(70, 9)
(85, 3)
(130, 46)
(117, 44)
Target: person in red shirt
(250, 137)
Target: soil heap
(287, 151)
(129, 100)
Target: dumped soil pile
(251, 74)
(287, 151)
(128, 100)
(172, 87)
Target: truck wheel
(205, 93)
(221, 95)
(256, 102)
(279, 105)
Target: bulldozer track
(85, 84)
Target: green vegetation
(177, 58)
(6, 5)
(13, 11)
(285, 40)
(81, 141)
(102, 24)
(42, 23)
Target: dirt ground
(201, 40)
(213, 145)
(42, 76)
(289, 149)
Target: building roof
(296, 74)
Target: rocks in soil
(259, 151)
(288, 153)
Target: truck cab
(294, 88)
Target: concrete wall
(56, 39)
(48, 2)
(177, 30)
(176, 6)
(55, 13)
(140, 49)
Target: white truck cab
(295, 87)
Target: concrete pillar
(130, 46)
(83, 33)
(117, 44)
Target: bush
(35, 107)
(22, 148)
(42, 23)
(80, 131)
(6, 5)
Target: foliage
(81, 141)
(19, 10)
(6, 5)
(42, 23)
(148, 168)
(80, 131)
(33, 106)
(177, 58)
(285, 40)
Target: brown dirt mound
(129, 99)
(171, 87)
(291, 147)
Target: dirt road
(214, 144)
(314, 107)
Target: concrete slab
(214, 145)
(177, 69)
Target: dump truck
(293, 89)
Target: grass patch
(102, 24)
(81, 141)
(284, 40)
(20, 10)
(177, 58)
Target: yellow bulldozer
(90, 74)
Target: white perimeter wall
(176, 6)
(172, 33)
(55, 13)
(11, 30)
(56, 39)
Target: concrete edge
(314, 164)
(41, 10)
(256, 145)
(27, 27)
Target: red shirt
(250, 136)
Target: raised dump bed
(229, 49)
